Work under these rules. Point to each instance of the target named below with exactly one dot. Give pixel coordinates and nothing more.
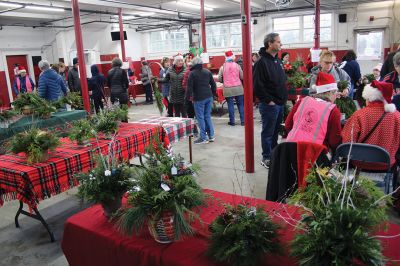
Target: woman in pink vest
(316, 119)
(23, 83)
(231, 75)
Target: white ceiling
(103, 10)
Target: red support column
(203, 26)
(81, 57)
(121, 34)
(248, 86)
(317, 24)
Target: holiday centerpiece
(26, 103)
(341, 215)
(35, 143)
(242, 234)
(345, 104)
(163, 198)
(44, 110)
(107, 121)
(82, 131)
(296, 80)
(74, 99)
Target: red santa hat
(21, 69)
(229, 53)
(380, 91)
(324, 83)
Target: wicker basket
(163, 230)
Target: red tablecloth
(176, 128)
(89, 239)
(35, 182)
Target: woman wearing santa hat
(23, 83)
(231, 75)
(316, 119)
(378, 123)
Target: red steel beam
(121, 34)
(203, 26)
(81, 57)
(317, 24)
(248, 86)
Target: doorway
(12, 62)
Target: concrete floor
(222, 164)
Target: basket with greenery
(35, 143)
(82, 131)
(163, 198)
(341, 215)
(44, 110)
(106, 183)
(27, 103)
(345, 104)
(242, 235)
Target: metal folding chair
(367, 153)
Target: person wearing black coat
(118, 82)
(96, 86)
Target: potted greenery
(164, 195)
(106, 183)
(5, 116)
(82, 131)
(74, 99)
(27, 102)
(340, 217)
(107, 121)
(35, 143)
(345, 104)
(242, 234)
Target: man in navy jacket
(51, 85)
(269, 82)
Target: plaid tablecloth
(176, 128)
(35, 182)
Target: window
(369, 45)
(300, 29)
(224, 35)
(166, 41)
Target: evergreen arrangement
(345, 104)
(27, 102)
(165, 186)
(106, 182)
(35, 143)
(44, 110)
(242, 235)
(72, 98)
(81, 131)
(107, 121)
(339, 220)
(6, 115)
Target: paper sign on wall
(315, 55)
(205, 58)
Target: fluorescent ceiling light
(145, 14)
(192, 5)
(10, 5)
(124, 17)
(45, 8)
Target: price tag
(165, 187)
(174, 170)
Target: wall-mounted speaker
(342, 18)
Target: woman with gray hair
(118, 82)
(174, 76)
(394, 78)
(51, 86)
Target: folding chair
(375, 156)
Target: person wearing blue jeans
(271, 116)
(203, 115)
(231, 108)
(269, 81)
(201, 88)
